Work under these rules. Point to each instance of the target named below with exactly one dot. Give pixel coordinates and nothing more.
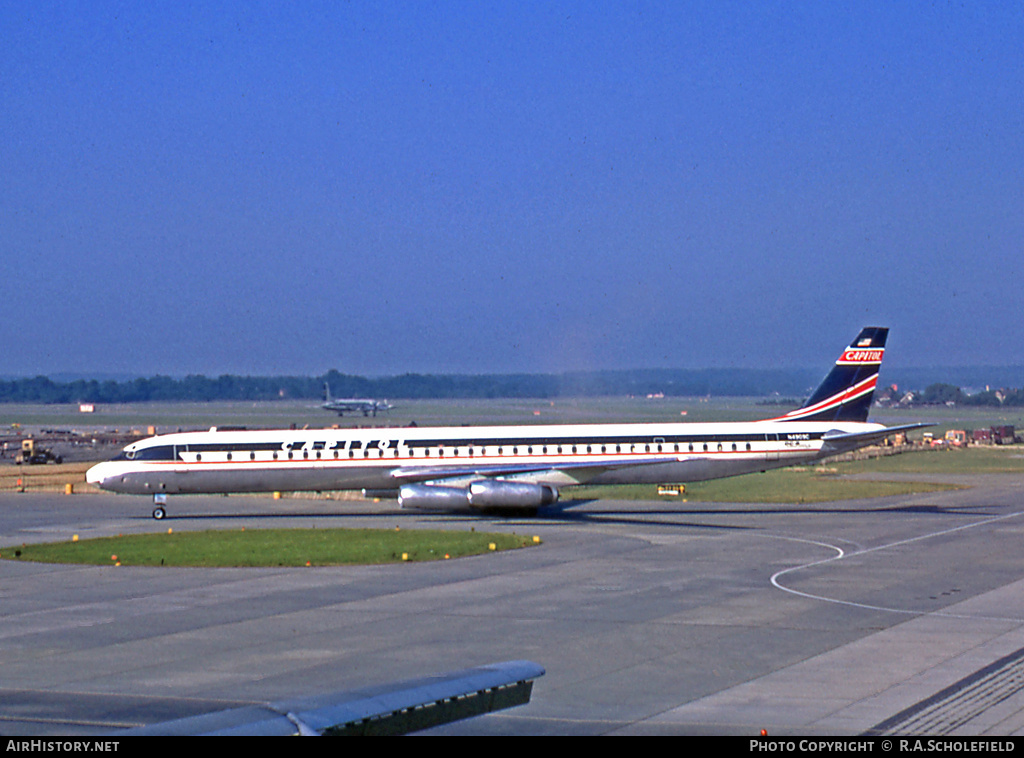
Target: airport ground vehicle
(34, 454)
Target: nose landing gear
(159, 501)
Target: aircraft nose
(97, 474)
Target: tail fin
(846, 393)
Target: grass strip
(796, 485)
(270, 547)
(824, 483)
(977, 459)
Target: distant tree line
(942, 394)
(670, 382)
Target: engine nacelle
(490, 493)
(484, 494)
(432, 497)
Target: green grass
(282, 414)
(996, 459)
(784, 486)
(169, 417)
(803, 485)
(816, 484)
(270, 547)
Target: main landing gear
(159, 501)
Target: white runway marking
(840, 554)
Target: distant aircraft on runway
(366, 406)
(514, 468)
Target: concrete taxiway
(901, 614)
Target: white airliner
(506, 467)
(341, 406)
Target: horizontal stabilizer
(842, 442)
(391, 709)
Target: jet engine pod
(432, 497)
(490, 493)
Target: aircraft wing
(391, 709)
(580, 470)
(842, 442)
(832, 443)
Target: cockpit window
(157, 453)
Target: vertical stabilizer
(846, 393)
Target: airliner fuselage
(336, 459)
(505, 466)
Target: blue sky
(476, 187)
